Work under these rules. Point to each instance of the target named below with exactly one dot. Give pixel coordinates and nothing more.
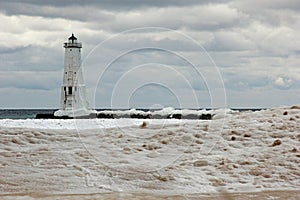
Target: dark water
(31, 113)
(22, 113)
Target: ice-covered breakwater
(166, 113)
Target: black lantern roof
(72, 38)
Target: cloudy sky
(153, 53)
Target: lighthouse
(73, 101)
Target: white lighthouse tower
(73, 93)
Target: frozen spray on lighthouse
(73, 92)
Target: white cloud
(283, 82)
(280, 82)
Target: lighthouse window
(66, 72)
(74, 72)
(70, 90)
(70, 49)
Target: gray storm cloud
(255, 44)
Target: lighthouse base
(52, 116)
(69, 114)
(75, 113)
